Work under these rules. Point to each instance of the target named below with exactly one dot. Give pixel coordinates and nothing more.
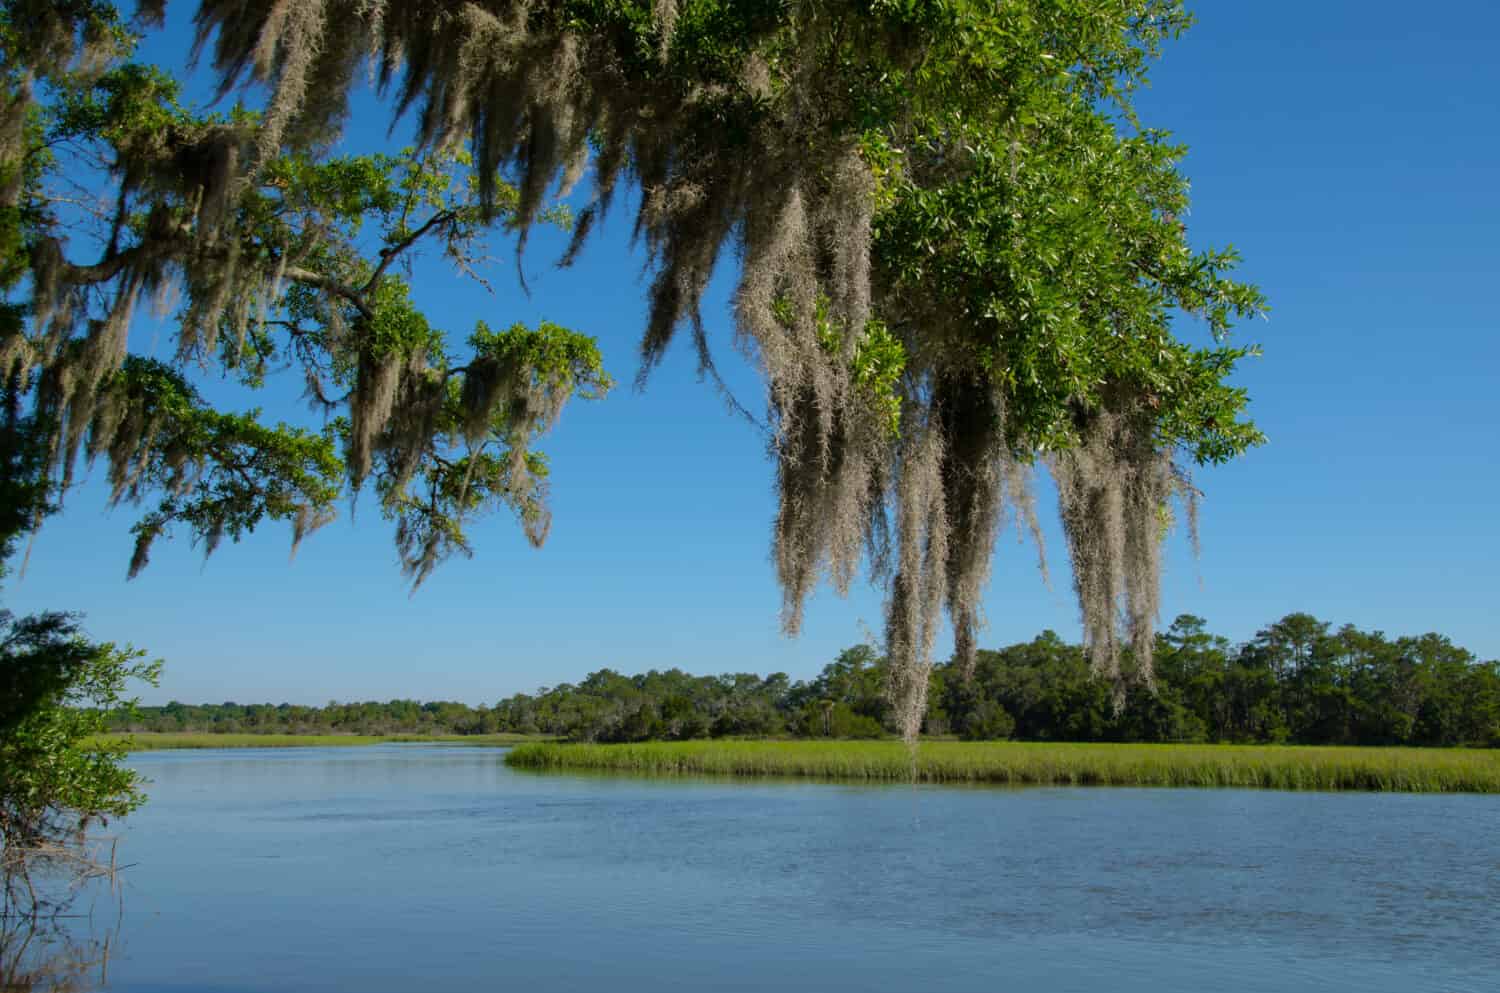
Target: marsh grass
(1283, 767)
(152, 741)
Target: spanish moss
(1114, 489)
(938, 268)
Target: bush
(988, 721)
(55, 780)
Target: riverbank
(1282, 767)
(153, 741)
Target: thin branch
(388, 255)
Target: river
(418, 867)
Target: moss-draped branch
(961, 256)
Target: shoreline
(999, 763)
(1007, 763)
(157, 741)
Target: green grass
(151, 741)
(1283, 767)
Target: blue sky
(1350, 151)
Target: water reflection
(60, 914)
(54, 952)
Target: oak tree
(961, 257)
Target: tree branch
(106, 269)
(320, 282)
(388, 255)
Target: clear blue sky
(1351, 151)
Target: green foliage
(396, 326)
(220, 474)
(1356, 689)
(879, 361)
(988, 721)
(566, 362)
(827, 719)
(56, 687)
(58, 778)
(359, 721)
(962, 254)
(1295, 682)
(302, 264)
(1060, 255)
(25, 492)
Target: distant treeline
(1296, 681)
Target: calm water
(435, 868)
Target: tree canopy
(961, 256)
(1298, 680)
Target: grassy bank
(1282, 767)
(150, 741)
